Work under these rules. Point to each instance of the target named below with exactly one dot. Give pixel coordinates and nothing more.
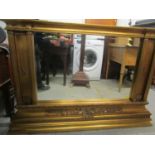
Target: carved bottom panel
(48, 119)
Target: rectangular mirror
(69, 67)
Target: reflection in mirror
(84, 66)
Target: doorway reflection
(58, 59)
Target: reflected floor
(107, 89)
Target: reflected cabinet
(40, 112)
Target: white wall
(120, 22)
(82, 21)
(125, 22)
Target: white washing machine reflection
(93, 56)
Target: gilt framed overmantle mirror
(83, 76)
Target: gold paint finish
(72, 115)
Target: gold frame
(20, 34)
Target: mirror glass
(74, 66)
